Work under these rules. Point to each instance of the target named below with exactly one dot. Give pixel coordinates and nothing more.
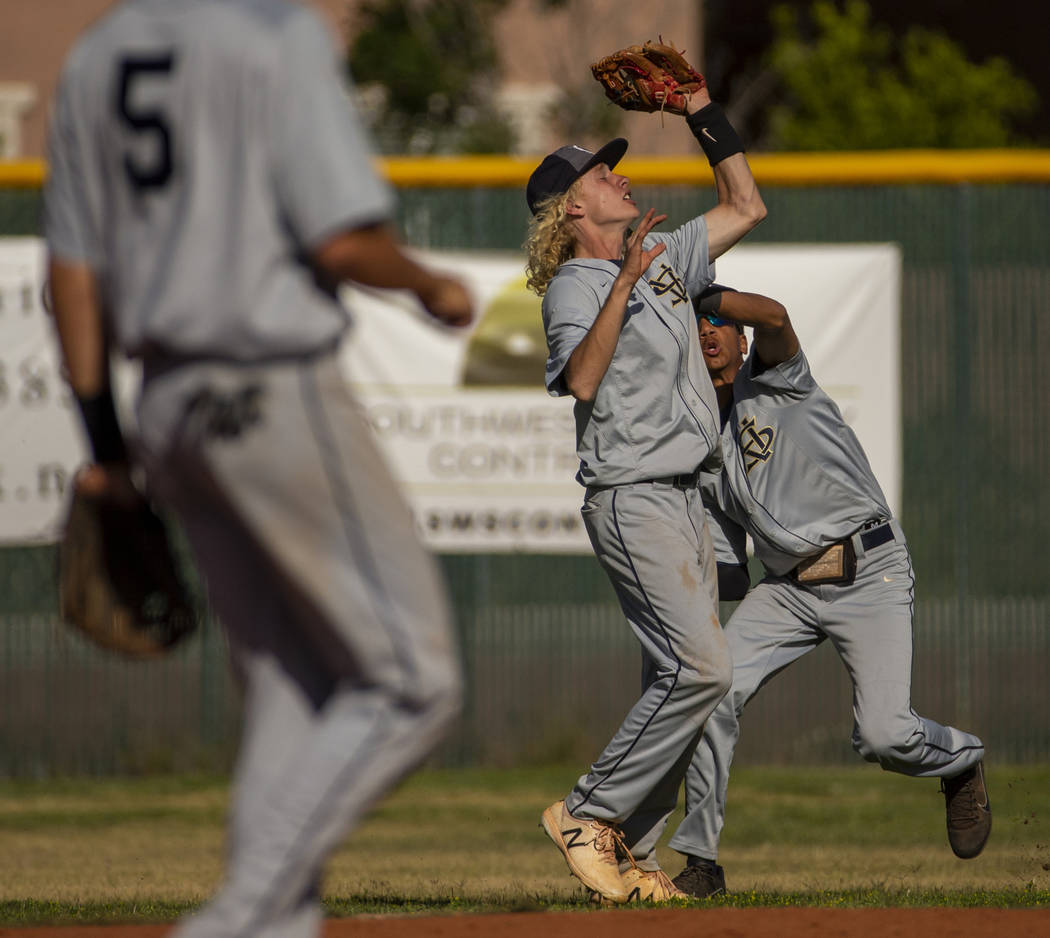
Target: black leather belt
(684, 480)
(837, 563)
(875, 533)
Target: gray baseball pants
(652, 540)
(337, 619)
(870, 625)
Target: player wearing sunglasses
(837, 567)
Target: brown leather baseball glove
(118, 578)
(650, 77)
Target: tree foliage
(852, 85)
(427, 72)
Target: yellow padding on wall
(882, 167)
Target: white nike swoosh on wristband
(707, 133)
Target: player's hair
(550, 241)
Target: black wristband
(714, 133)
(103, 428)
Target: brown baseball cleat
(589, 847)
(645, 886)
(968, 810)
(701, 878)
(650, 886)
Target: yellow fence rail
(783, 169)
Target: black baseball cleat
(969, 812)
(701, 878)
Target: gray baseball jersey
(796, 476)
(651, 425)
(198, 149)
(797, 479)
(655, 413)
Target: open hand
(637, 259)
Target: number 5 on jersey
(145, 121)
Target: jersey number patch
(146, 121)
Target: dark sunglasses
(717, 320)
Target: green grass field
(149, 849)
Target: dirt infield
(651, 923)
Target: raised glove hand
(649, 77)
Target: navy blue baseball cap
(563, 167)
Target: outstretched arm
(740, 207)
(775, 339)
(373, 257)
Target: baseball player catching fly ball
(209, 187)
(837, 567)
(622, 341)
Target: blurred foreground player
(837, 568)
(209, 188)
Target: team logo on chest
(667, 283)
(755, 443)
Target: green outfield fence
(551, 669)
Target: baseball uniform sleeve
(323, 165)
(686, 252)
(70, 228)
(569, 310)
(791, 378)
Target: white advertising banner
(484, 470)
(486, 457)
(40, 439)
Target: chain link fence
(551, 669)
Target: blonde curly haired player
(622, 342)
(550, 242)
